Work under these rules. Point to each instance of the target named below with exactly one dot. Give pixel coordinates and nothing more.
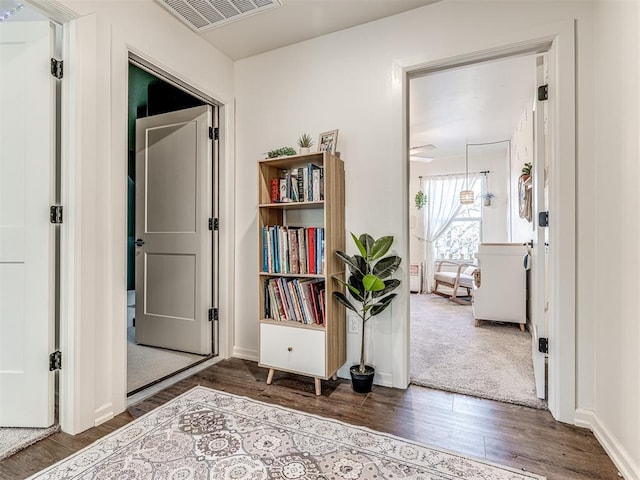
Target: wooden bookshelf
(287, 343)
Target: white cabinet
(500, 290)
(293, 349)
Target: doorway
(159, 279)
(471, 128)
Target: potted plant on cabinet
(370, 288)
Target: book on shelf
(300, 184)
(296, 300)
(293, 250)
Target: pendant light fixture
(467, 196)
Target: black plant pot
(362, 382)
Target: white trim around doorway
(562, 325)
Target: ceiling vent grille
(203, 15)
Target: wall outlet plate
(353, 324)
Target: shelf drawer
(293, 349)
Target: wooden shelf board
(293, 275)
(290, 323)
(293, 205)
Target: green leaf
(360, 246)
(380, 247)
(356, 293)
(387, 266)
(372, 283)
(389, 285)
(351, 262)
(344, 300)
(355, 280)
(382, 305)
(367, 241)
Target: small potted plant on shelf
(305, 143)
(369, 288)
(281, 152)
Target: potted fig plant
(369, 288)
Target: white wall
(615, 219)
(521, 153)
(105, 31)
(346, 80)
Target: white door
(27, 176)
(173, 253)
(538, 274)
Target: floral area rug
(206, 434)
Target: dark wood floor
(512, 435)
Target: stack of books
(297, 300)
(303, 184)
(293, 250)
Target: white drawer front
(294, 349)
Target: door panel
(173, 205)
(27, 159)
(538, 263)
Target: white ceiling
(475, 104)
(299, 20)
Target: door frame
(94, 145)
(562, 256)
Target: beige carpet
(449, 353)
(205, 434)
(13, 440)
(145, 364)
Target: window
(461, 238)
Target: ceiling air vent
(203, 15)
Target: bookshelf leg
(318, 386)
(270, 376)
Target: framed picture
(328, 141)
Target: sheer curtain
(443, 205)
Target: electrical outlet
(353, 324)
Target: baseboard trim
(103, 414)
(246, 354)
(619, 456)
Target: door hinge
(543, 92)
(55, 214)
(213, 314)
(543, 219)
(55, 361)
(214, 224)
(543, 345)
(214, 133)
(56, 68)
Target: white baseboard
(626, 465)
(246, 354)
(103, 414)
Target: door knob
(139, 242)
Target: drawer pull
(290, 349)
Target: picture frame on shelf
(328, 141)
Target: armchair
(461, 278)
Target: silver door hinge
(213, 314)
(56, 68)
(55, 361)
(543, 93)
(55, 214)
